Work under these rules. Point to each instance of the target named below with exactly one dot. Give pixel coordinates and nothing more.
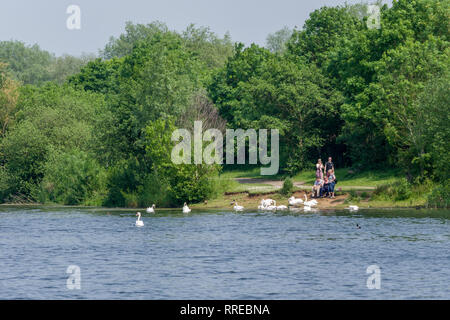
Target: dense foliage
(32, 65)
(98, 131)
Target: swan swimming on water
(139, 222)
(151, 209)
(186, 208)
(353, 208)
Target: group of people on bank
(325, 179)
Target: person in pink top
(319, 169)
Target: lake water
(223, 255)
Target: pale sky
(44, 21)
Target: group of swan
(140, 223)
(266, 204)
(307, 204)
(270, 205)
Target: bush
(71, 178)
(6, 183)
(352, 197)
(191, 183)
(398, 191)
(130, 199)
(365, 195)
(439, 197)
(153, 190)
(288, 187)
(122, 181)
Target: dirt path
(274, 183)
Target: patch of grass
(242, 173)
(401, 193)
(352, 197)
(348, 178)
(225, 184)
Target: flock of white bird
(265, 205)
(140, 223)
(271, 205)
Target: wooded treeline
(97, 131)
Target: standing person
(332, 182)
(329, 165)
(319, 169)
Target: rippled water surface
(223, 255)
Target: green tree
(47, 118)
(258, 89)
(276, 42)
(9, 93)
(134, 33)
(432, 128)
(210, 49)
(27, 64)
(72, 178)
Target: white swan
(353, 208)
(261, 205)
(294, 202)
(268, 205)
(139, 222)
(307, 208)
(268, 202)
(310, 203)
(282, 207)
(151, 209)
(186, 208)
(237, 207)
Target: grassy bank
(367, 189)
(372, 188)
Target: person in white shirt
(318, 184)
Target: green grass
(345, 177)
(249, 173)
(347, 180)
(227, 184)
(371, 188)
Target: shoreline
(250, 202)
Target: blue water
(223, 255)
